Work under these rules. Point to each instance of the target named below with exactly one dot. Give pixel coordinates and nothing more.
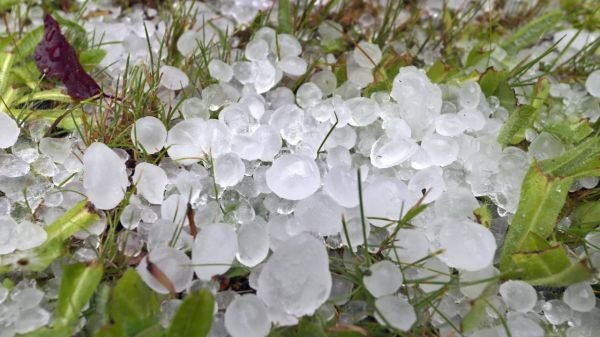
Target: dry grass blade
(160, 276)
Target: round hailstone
(545, 146)
(386, 198)
(149, 134)
(467, 245)
(188, 42)
(450, 125)
(174, 208)
(420, 101)
(229, 169)
(342, 186)
(194, 107)
(265, 76)
(293, 177)
(326, 81)
(150, 182)
(30, 320)
(469, 95)
(246, 316)
(580, 297)
(518, 295)
(293, 65)
(214, 250)
(396, 312)
(104, 176)
(442, 151)
(296, 278)
(270, 140)
(131, 216)
(220, 70)
(174, 264)
(9, 131)
(308, 95)
(7, 244)
(183, 141)
(409, 246)
(256, 50)
(390, 151)
(557, 312)
(431, 180)
(319, 214)
(286, 45)
(56, 148)
(367, 55)
(27, 235)
(385, 278)
(173, 78)
(363, 111)
(355, 234)
(215, 138)
(592, 84)
(253, 243)
(237, 118)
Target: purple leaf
(56, 58)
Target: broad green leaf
(437, 72)
(99, 313)
(506, 95)
(91, 58)
(550, 267)
(580, 161)
(532, 32)
(570, 133)
(194, 316)
(476, 55)
(6, 63)
(49, 332)
(80, 217)
(516, 124)
(542, 198)
(77, 286)
(46, 95)
(7, 4)
(483, 215)
(585, 218)
(111, 331)
(154, 331)
(333, 45)
(513, 131)
(27, 44)
(133, 305)
(495, 83)
(284, 17)
(27, 74)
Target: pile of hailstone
(271, 180)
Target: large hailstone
(296, 278)
(173, 263)
(396, 312)
(293, 177)
(467, 245)
(149, 133)
(173, 78)
(150, 181)
(9, 131)
(184, 141)
(420, 100)
(104, 176)
(246, 316)
(214, 250)
(385, 278)
(319, 214)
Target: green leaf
(495, 83)
(532, 32)
(580, 161)
(570, 132)
(513, 130)
(99, 310)
(194, 316)
(284, 17)
(46, 95)
(111, 331)
(476, 55)
(79, 282)
(484, 215)
(550, 267)
(7, 4)
(91, 58)
(585, 218)
(80, 217)
(333, 45)
(437, 72)
(542, 198)
(133, 305)
(49, 332)
(27, 44)
(6, 63)
(27, 74)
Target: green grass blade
(284, 17)
(27, 44)
(6, 62)
(532, 32)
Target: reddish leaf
(56, 58)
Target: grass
(27, 98)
